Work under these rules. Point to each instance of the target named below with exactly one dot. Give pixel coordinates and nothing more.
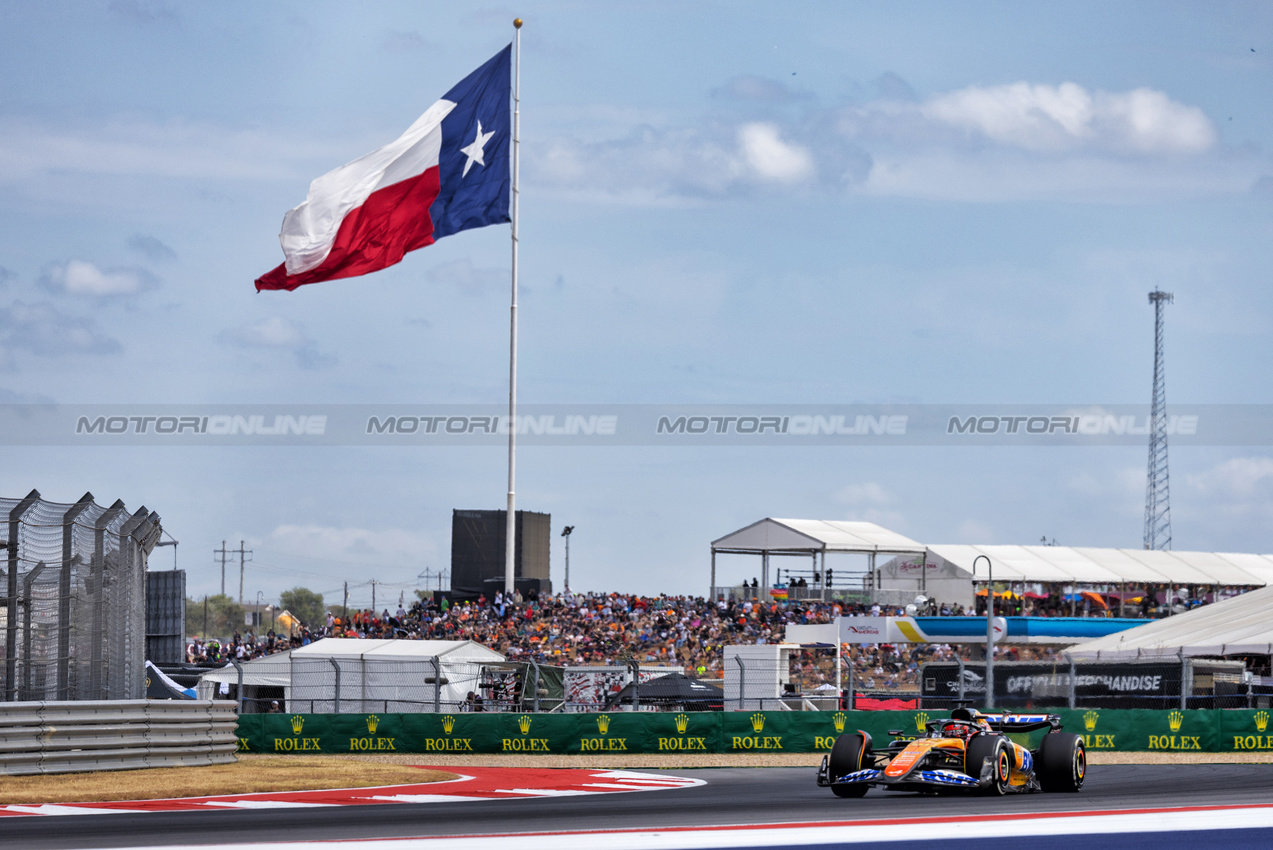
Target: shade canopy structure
(802, 536)
(1086, 565)
(396, 648)
(812, 538)
(1242, 625)
(674, 690)
(371, 675)
(264, 679)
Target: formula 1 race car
(969, 752)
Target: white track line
(797, 835)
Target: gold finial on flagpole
(517, 23)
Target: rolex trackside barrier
(83, 735)
(1210, 730)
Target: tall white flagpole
(510, 528)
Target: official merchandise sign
(1025, 685)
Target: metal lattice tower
(1158, 492)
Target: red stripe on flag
(373, 236)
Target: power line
(242, 553)
(222, 553)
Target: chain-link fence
(1187, 683)
(343, 685)
(72, 613)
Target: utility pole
(345, 607)
(565, 532)
(222, 553)
(242, 552)
(373, 597)
(1157, 495)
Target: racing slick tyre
(851, 752)
(996, 749)
(1062, 762)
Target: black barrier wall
(716, 732)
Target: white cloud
(46, 331)
(464, 274)
(1233, 499)
(151, 248)
(279, 334)
(173, 149)
(1017, 141)
(867, 493)
(1042, 117)
(1011, 175)
(1238, 480)
(274, 332)
(652, 165)
(375, 546)
(974, 532)
(869, 502)
(772, 158)
(80, 277)
(760, 89)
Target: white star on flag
(474, 150)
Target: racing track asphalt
(731, 796)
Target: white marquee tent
(388, 675)
(811, 538)
(1239, 626)
(947, 572)
(1086, 565)
(374, 675)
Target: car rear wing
(1022, 722)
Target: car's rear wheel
(1062, 762)
(850, 753)
(996, 750)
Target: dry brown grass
(290, 773)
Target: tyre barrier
(1117, 730)
(84, 735)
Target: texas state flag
(448, 172)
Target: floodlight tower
(1157, 495)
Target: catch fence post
(535, 704)
(239, 691)
(960, 659)
(742, 681)
(437, 685)
(336, 694)
(636, 685)
(1185, 683)
(1074, 679)
(851, 700)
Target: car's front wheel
(995, 750)
(850, 753)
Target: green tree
(224, 617)
(305, 605)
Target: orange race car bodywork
(969, 751)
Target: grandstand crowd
(596, 629)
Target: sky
(739, 203)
